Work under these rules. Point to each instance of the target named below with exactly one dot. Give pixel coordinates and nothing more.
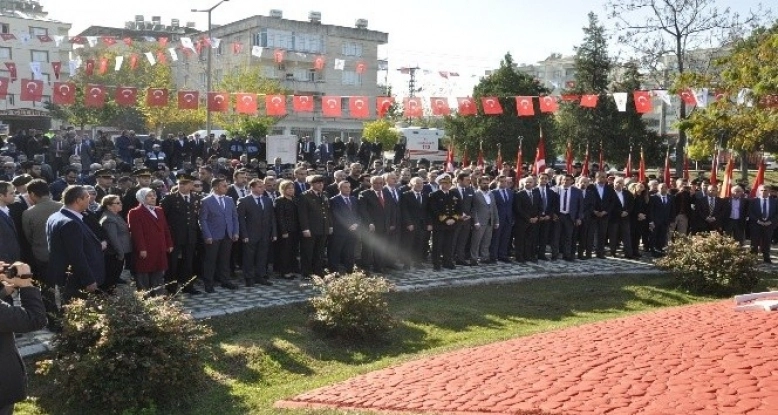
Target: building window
(219, 50)
(38, 31)
(569, 73)
(5, 53)
(203, 79)
(5, 28)
(39, 56)
(273, 38)
(351, 78)
(351, 49)
(310, 43)
(9, 99)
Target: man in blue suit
(257, 231)
(10, 250)
(501, 237)
(661, 212)
(220, 228)
(763, 216)
(73, 245)
(325, 151)
(346, 219)
(570, 213)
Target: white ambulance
(423, 143)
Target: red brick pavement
(703, 359)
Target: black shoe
(229, 286)
(449, 266)
(601, 256)
(249, 283)
(436, 268)
(462, 263)
(543, 258)
(209, 290)
(473, 263)
(581, 257)
(191, 291)
(489, 261)
(264, 281)
(508, 260)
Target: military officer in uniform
(105, 185)
(313, 212)
(182, 210)
(129, 201)
(445, 211)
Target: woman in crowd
(288, 229)
(151, 241)
(119, 243)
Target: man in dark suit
(526, 211)
(31, 316)
(709, 211)
(313, 212)
(219, 225)
(257, 231)
(301, 183)
(196, 148)
(584, 235)
(374, 210)
(548, 206)
(619, 226)
(10, 249)
(763, 217)
(445, 212)
(76, 254)
(735, 214)
(346, 221)
(325, 150)
(416, 224)
(465, 193)
(570, 213)
(501, 237)
(393, 231)
(661, 213)
(604, 203)
(182, 210)
(307, 149)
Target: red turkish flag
(302, 103)
(4, 86)
(412, 108)
(133, 61)
(156, 97)
(127, 41)
(237, 47)
(11, 70)
(440, 106)
(188, 100)
(246, 103)
(642, 102)
(78, 40)
(278, 55)
(525, 107)
(361, 67)
(466, 106)
(275, 105)
(110, 40)
(687, 96)
(44, 38)
(31, 90)
(94, 96)
(126, 96)
(89, 69)
(7, 36)
(548, 104)
(589, 101)
(57, 67)
(318, 63)
(358, 107)
(382, 105)
(64, 93)
(330, 106)
(491, 106)
(218, 101)
(103, 65)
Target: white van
(422, 143)
(216, 133)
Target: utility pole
(412, 81)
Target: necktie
(259, 202)
(418, 197)
(394, 195)
(348, 202)
(504, 195)
(711, 203)
(764, 208)
(543, 198)
(531, 201)
(380, 197)
(242, 192)
(186, 199)
(221, 202)
(664, 200)
(564, 201)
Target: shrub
(125, 352)
(352, 306)
(711, 263)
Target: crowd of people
(193, 223)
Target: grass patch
(269, 354)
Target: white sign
(284, 146)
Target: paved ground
(285, 292)
(703, 359)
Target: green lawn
(269, 354)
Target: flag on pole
(759, 178)
(569, 158)
(585, 171)
(480, 162)
(666, 174)
(450, 159)
(498, 163)
(714, 169)
(726, 184)
(519, 161)
(628, 167)
(602, 160)
(540, 155)
(465, 161)
(686, 175)
(642, 167)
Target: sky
(467, 37)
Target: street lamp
(208, 65)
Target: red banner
(64, 93)
(330, 106)
(188, 100)
(156, 97)
(358, 107)
(126, 96)
(246, 103)
(94, 96)
(218, 101)
(275, 105)
(302, 103)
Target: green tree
(382, 131)
(468, 132)
(741, 127)
(247, 79)
(681, 30)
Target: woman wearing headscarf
(151, 241)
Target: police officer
(143, 178)
(445, 210)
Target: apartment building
(302, 42)
(28, 35)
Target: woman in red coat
(150, 240)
